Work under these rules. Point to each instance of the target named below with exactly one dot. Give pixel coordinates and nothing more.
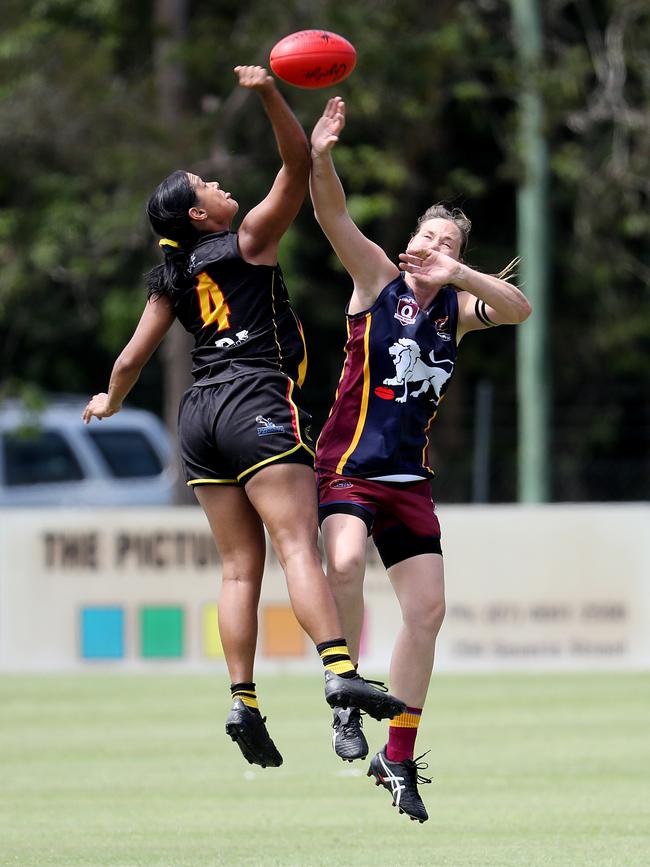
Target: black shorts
(227, 432)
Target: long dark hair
(167, 210)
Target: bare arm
(484, 300)
(264, 226)
(485, 297)
(367, 264)
(154, 323)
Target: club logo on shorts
(341, 483)
(407, 311)
(267, 427)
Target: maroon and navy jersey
(239, 314)
(399, 360)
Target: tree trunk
(171, 28)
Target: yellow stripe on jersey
(345, 361)
(365, 394)
(275, 324)
(302, 367)
(425, 450)
(296, 411)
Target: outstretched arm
(154, 323)
(264, 226)
(367, 264)
(484, 300)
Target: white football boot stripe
(395, 782)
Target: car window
(35, 458)
(128, 453)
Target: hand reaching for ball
(326, 132)
(254, 77)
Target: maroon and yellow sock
(336, 657)
(246, 692)
(402, 732)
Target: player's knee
(290, 546)
(345, 571)
(242, 570)
(427, 616)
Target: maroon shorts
(401, 516)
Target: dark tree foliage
(432, 117)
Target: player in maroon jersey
(404, 325)
(243, 438)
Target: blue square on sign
(102, 633)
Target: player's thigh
(345, 538)
(284, 496)
(235, 525)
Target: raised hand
(431, 271)
(254, 77)
(326, 132)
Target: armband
(481, 314)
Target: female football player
(404, 326)
(243, 437)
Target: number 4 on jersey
(213, 304)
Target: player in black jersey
(243, 437)
(371, 457)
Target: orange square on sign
(283, 635)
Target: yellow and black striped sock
(336, 657)
(246, 692)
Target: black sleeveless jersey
(239, 315)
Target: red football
(313, 58)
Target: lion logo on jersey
(409, 367)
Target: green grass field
(135, 771)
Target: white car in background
(51, 458)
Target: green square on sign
(161, 631)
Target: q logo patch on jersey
(407, 311)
